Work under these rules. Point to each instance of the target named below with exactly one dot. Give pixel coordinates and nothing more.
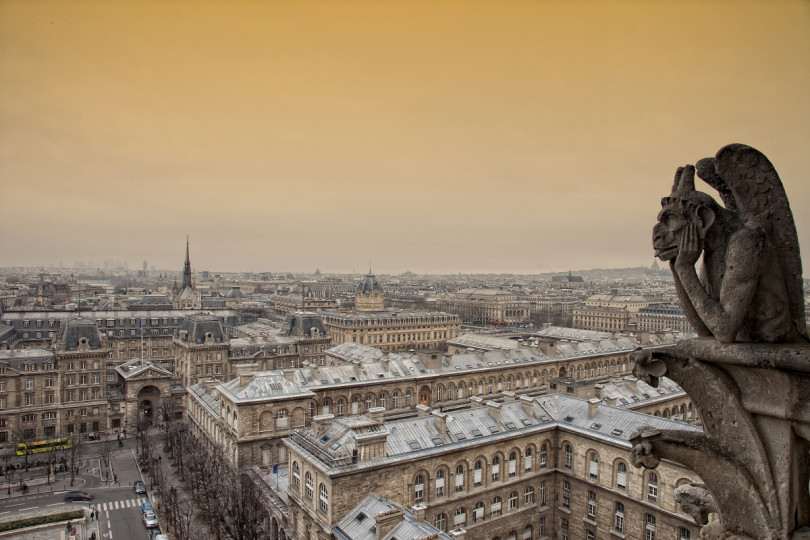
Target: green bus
(46, 445)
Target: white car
(150, 520)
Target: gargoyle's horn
(686, 184)
(677, 180)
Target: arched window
(440, 483)
(527, 460)
(460, 517)
(496, 469)
(419, 489)
(543, 455)
(440, 522)
(478, 512)
(407, 398)
(593, 466)
(569, 456)
(395, 400)
(282, 420)
(513, 500)
(490, 384)
(652, 486)
(528, 532)
(382, 401)
(439, 393)
(324, 499)
(341, 407)
(308, 486)
(369, 402)
(451, 391)
(512, 464)
(495, 507)
(459, 478)
(325, 407)
(478, 473)
(296, 475)
(528, 495)
(621, 476)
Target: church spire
(186, 269)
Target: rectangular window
(566, 498)
(477, 478)
(29, 399)
(543, 493)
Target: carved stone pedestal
(754, 456)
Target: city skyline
(435, 138)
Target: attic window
(361, 516)
(596, 426)
(510, 425)
(477, 432)
(461, 437)
(527, 422)
(437, 441)
(414, 445)
(325, 438)
(494, 429)
(568, 418)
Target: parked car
(150, 520)
(161, 536)
(78, 496)
(139, 487)
(146, 507)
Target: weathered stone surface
(749, 372)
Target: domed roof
(235, 292)
(369, 284)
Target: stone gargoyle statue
(748, 372)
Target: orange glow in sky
(428, 136)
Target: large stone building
(75, 388)
(357, 378)
(663, 318)
(481, 306)
(611, 312)
(389, 330)
(528, 468)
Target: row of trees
(214, 492)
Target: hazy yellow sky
(426, 136)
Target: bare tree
(72, 455)
(6, 457)
(105, 451)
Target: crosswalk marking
(120, 505)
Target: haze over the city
(435, 137)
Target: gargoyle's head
(683, 207)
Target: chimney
(376, 414)
(211, 383)
(599, 388)
(440, 422)
(528, 405)
(423, 410)
(321, 423)
(494, 409)
(385, 363)
(508, 396)
(593, 407)
(245, 378)
(630, 382)
(476, 401)
(386, 521)
(289, 374)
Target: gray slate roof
(361, 524)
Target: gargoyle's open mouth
(666, 253)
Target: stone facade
(531, 473)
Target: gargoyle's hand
(689, 248)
